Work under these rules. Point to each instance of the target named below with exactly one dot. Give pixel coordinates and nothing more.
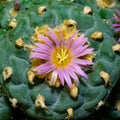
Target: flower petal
(43, 66)
(77, 51)
(119, 40)
(80, 41)
(85, 52)
(116, 18)
(47, 41)
(117, 12)
(54, 76)
(60, 73)
(78, 70)
(47, 70)
(54, 37)
(40, 55)
(43, 49)
(42, 46)
(70, 40)
(67, 77)
(82, 62)
(116, 25)
(117, 29)
(73, 75)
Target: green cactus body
(5, 110)
(110, 111)
(90, 91)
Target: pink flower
(63, 58)
(116, 25)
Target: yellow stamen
(61, 57)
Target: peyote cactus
(38, 23)
(111, 109)
(5, 110)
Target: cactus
(36, 97)
(110, 111)
(5, 109)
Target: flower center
(61, 57)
